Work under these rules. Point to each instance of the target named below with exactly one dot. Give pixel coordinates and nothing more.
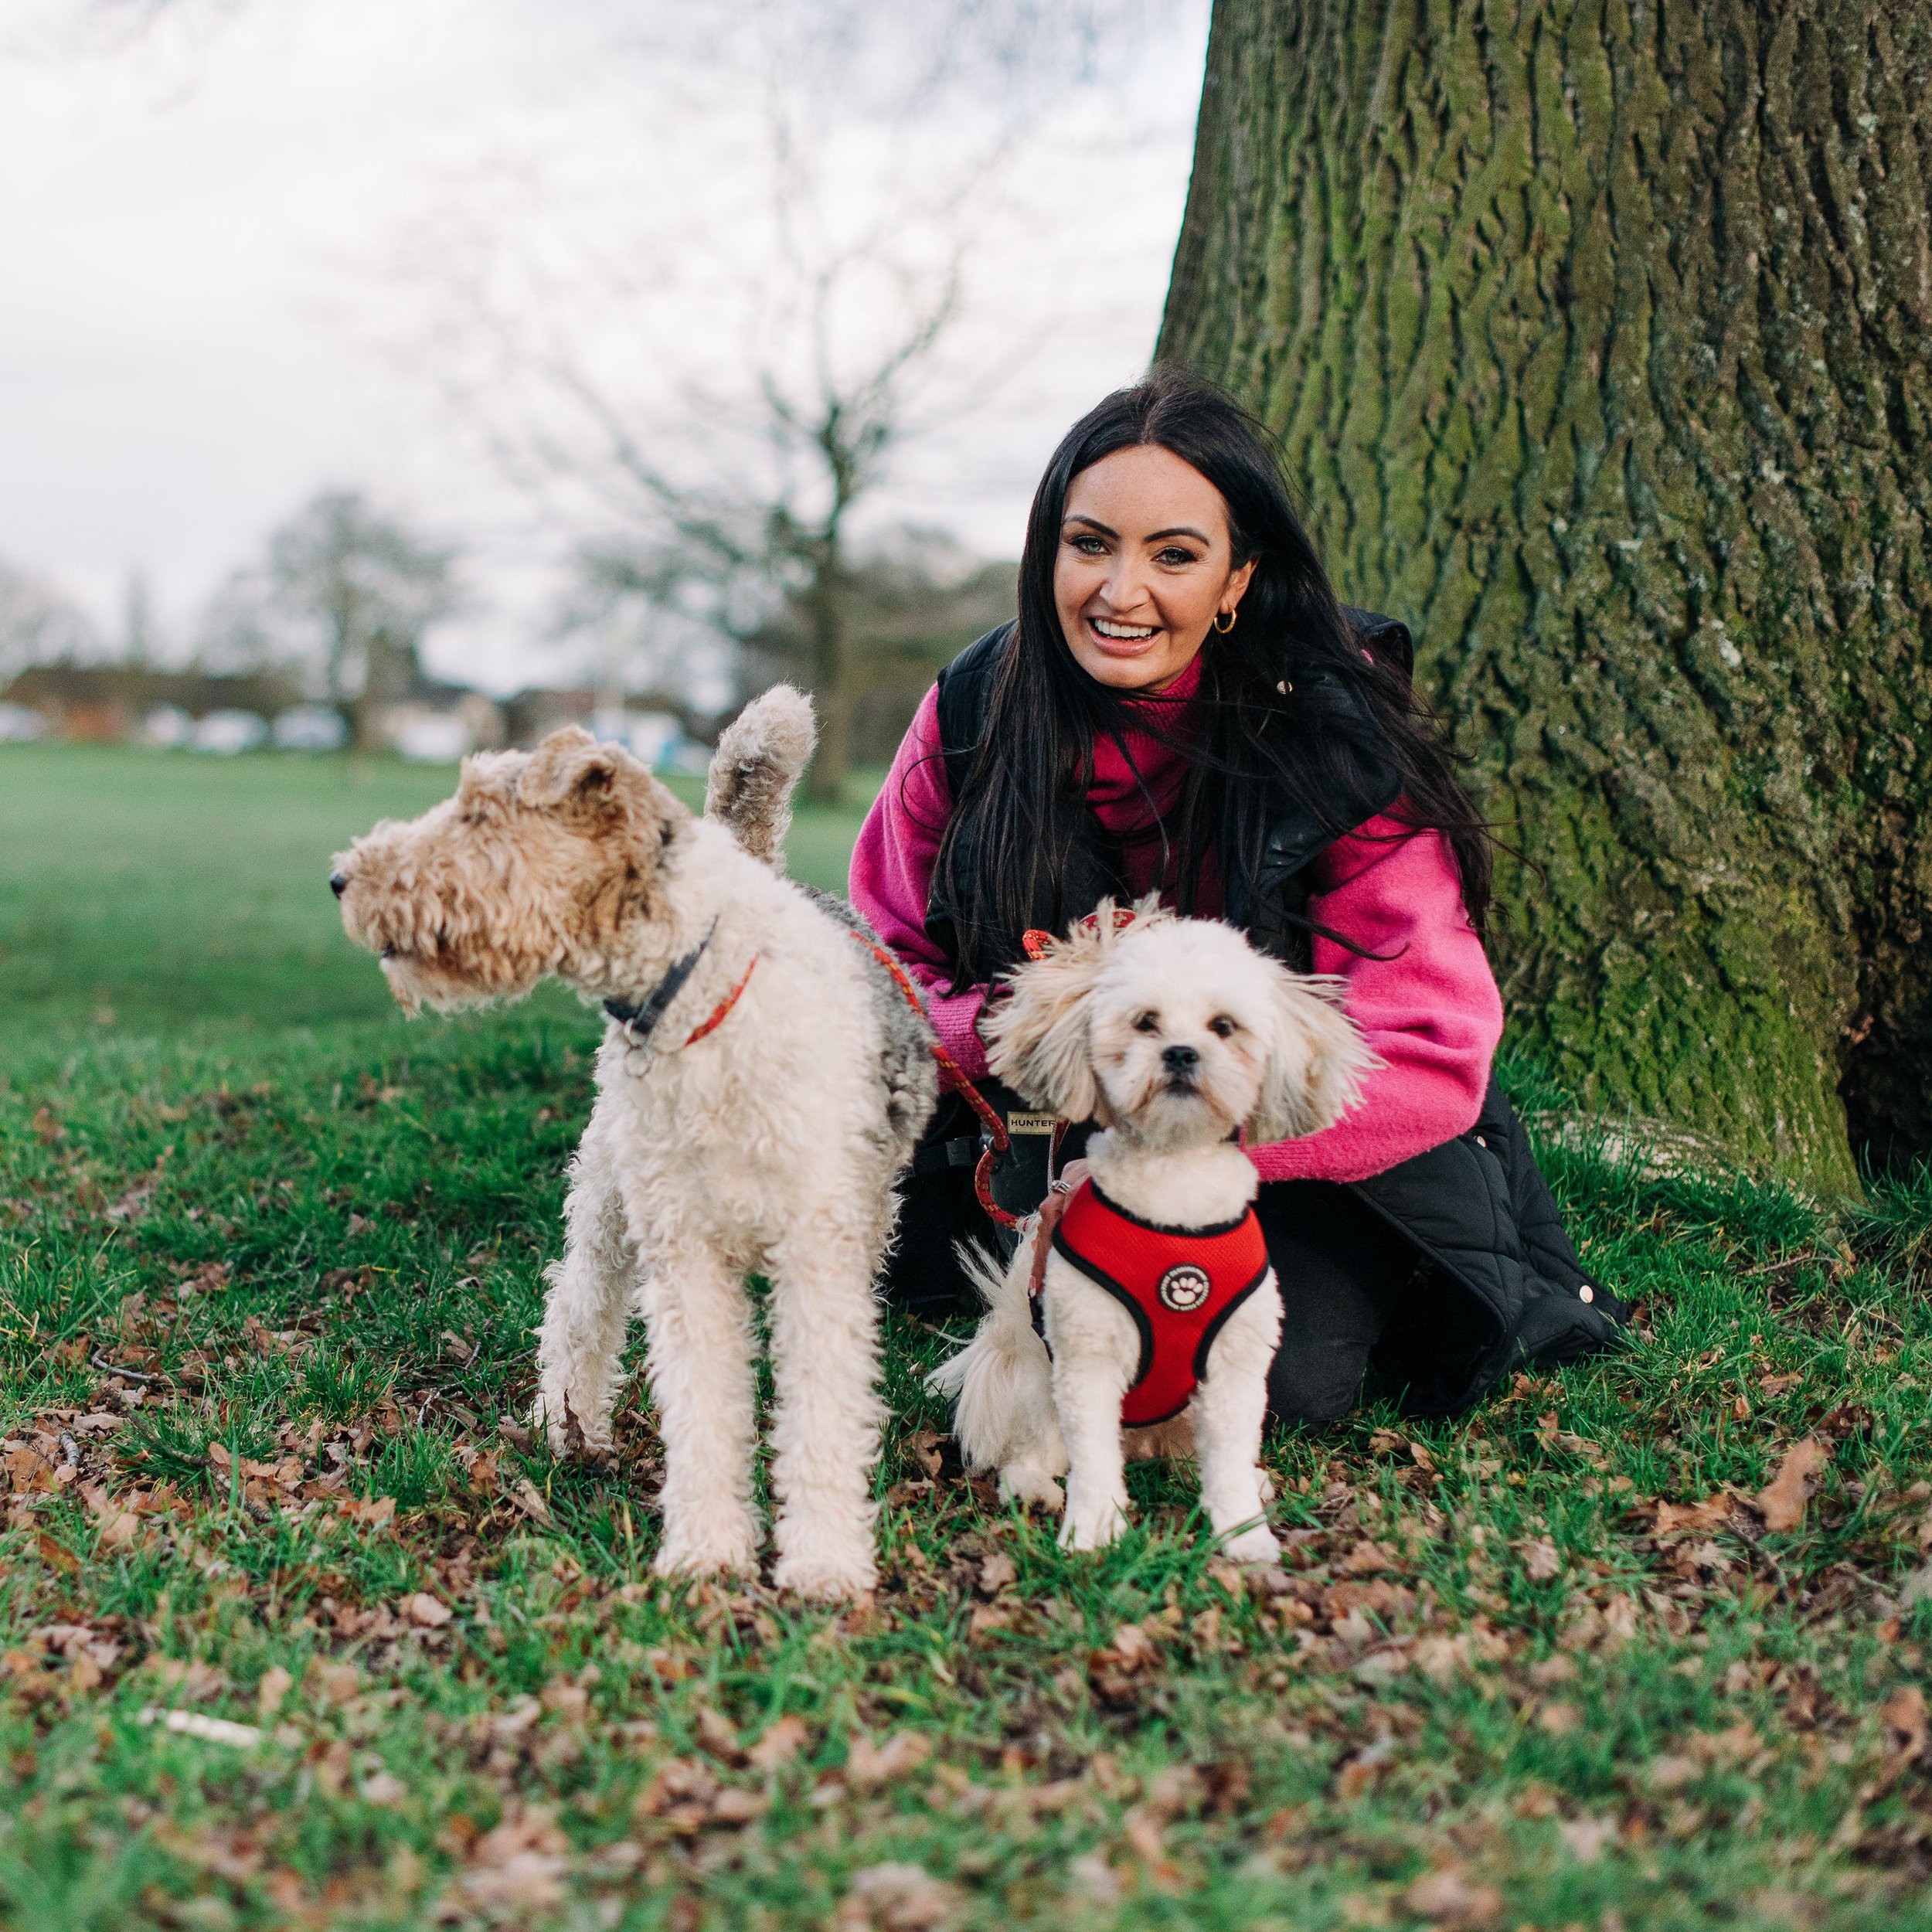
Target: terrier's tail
(756, 767)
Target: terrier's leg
(1096, 1351)
(824, 1361)
(1228, 1409)
(586, 1312)
(699, 1357)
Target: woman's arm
(1429, 1007)
(892, 878)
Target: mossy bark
(1597, 337)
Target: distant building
(118, 702)
(310, 727)
(228, 731)
(440, 724)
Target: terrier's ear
(1317, 1058)
(1038, 1040)
(571, 768)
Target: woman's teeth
(1123, 633)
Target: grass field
(298, 1628)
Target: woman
(1183, 703)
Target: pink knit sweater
(1429, 1007)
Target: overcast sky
(215, 289)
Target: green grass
(1485, 1688)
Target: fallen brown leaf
(717, 1734)
(519, 1867)
(276, 1684)
(1540, 1560)
(58, 1554)
(1714, 1512)
(896, 1898)
(868, 1765)
(426, 1611)
(1366, 1556)
(1904, 1716)
(997, 1572)
(1781, 1502)
(335, 1682)
(1447, 1897)
(780, 1744)
(1129, 1654)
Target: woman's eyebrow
(1093, 522)
(1182, 529)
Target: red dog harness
(1180, 1285)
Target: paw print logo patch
(1184, 1288)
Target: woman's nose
(1126, 590)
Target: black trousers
(1346, 1277)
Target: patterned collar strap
(641, 1021)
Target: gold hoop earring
(1224, 628)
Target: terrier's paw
(709, 1550)
(1265, 1484)
(1256, 1544)
(703, 1562)
(827, 1578)
(570, 1436)
(1024, 1482)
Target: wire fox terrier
(760, 1085)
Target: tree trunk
(1596, 335)
(832, 679)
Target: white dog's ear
(1317, 1058)
(1038, 1040)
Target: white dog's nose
(1181, 1060)
(338, 884)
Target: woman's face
(1143, 565)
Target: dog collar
(640, 1021)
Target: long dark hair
(1027, 778)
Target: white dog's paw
(1265, 1484)
(568, 1435)
(720, 1548)
(1094, 1526)
(1256, 1544)
(1025, 1482)
(827, 1578)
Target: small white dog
(761, 1083)
(1159, 1308)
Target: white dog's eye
(1148, 1022)
(1222, 1027)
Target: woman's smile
(1122, 640)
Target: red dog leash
(989, 1117)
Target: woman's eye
(1147, 1023)
(1173, 558)
(1221, 1026)
(1088, 545)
